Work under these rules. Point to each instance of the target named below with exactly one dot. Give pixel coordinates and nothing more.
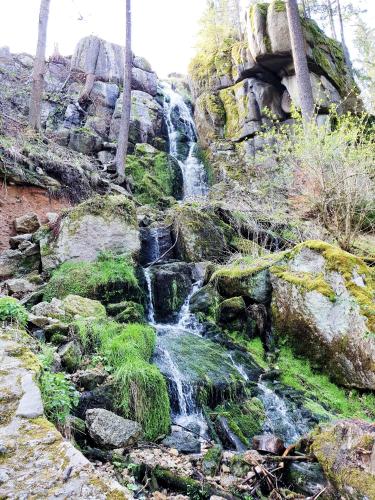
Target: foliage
(105, 279)
(328, 170)
(141, 388)
(12, 311)
(59, 396)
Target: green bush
(59, 396)
(107, 279)
(126, 350)
(12, 311)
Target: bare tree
(343, 42)
(123, 139)
(331, 20)
(300, 61)
(39, 67)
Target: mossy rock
(74, 306)
(323, 303)
(211, 461)
(127, 312)
(155, 175)
(110, 278)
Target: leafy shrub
(59, 396)
(328, 170)
(106, 279)
(12, 311)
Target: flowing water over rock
(183, 143)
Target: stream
(282, 418)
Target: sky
(164, 31)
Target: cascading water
(182, 131)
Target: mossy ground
(106, 207)
(110, 279)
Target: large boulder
(111, 431)
(346, 452)
(323, 303)
(146, 119)
(74, 306)
(103, 223)
(27, 223)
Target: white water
(193, 171)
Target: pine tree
(123, 138)
(300, 60)
(39, 68)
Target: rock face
(346, 451)
(23, 467)
(111, 431)
(102, 223)
(322, 301)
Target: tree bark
(343, 42)
(300, 61)
(123, 139)
(331, 20)
(39, 68)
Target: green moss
(211, 460)
(245, 419)
(306, 281)
(155, 176)
(142, 392)
(247, 266)
(107, 207)
(279, 6)
(322, 396)
(108, 279)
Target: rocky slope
(207, 347)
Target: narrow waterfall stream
(181, 130)
(282, 419)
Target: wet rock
(269, 443)
(183, 441)
(232, 314)
(211, 461)
(15, 241)
(102, 396)
(206, 301)
(89, 379)
(71, 356)
(306, 478)
(111, 431)
(28, 223)
(346, 452)
(171, 284)
(229, 439)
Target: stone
(30, 405)
(103, 396)
(211, 461)
(103, 223)
(171, 284)
(85, 141)
(111, 431)
(90, 378)
(324, 93)
(71, 356)
(269, 443)
(77, 306)
(104, 94)
(19, 286)
(54, 309)
(15, 241)
(10, 260)
(144, 81)
(346, 452)
(183, 441)
(141, 63)
(28, 223)
(326, 318)
(206, 301)
(306, 478)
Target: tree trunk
(123, 138)
(331, 21)
(39, 68)
(238, 19)
(344, 46)
(300, 61)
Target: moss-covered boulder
(110, 279)
(205, 303)
(74, 305)
(102, 223)
(345, 451)
(323, 303)
(155, 176)
(200, 234)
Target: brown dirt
(18, 200)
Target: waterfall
(181, 132)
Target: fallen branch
(290, 458)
